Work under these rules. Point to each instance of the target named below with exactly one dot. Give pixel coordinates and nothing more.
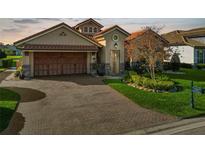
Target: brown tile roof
(181, 37)
(56, 26)
(109, 29)
(60, 47)
(88, 20)
(174, 38)
(137, 34)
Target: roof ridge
(87, 21)
(55, 26)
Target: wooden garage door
(54, 63)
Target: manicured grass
(177, 104)
(190, 74)
(12, 57)
(8, 103)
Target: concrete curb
(171, 128)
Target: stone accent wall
(122, 68)
(93, 68)
(107, 69)
(27, 70)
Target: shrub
(161, 83)
(185, 65)
(200, 66)
(7, 63)
(2, 54)
(164, 85)
(19, 73)
(175, 62)
(163, 78)
(133, 76)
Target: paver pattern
(78, 104)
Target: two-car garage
(59, 50)
(59, 63)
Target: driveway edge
(170, 128)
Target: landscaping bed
(161, 83)
(173, 103)
(8, 104)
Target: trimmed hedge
(176, 66)
(6, 63)
(163, 83)
(200, 66)
(185, 65)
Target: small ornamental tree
(149, 47)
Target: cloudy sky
(12, 30)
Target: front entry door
(115, 61)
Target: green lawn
(190, 74)
(12, 57)
(171, 103)
(8, 103)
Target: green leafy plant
(162, 82)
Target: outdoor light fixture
(115, 45)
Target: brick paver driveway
(78, 105)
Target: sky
(13, 29)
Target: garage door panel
(59, 63)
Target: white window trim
(84, 29)
(91, 29)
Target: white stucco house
(189, 44)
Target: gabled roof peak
(88, 20)
(109, 29)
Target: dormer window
(95, 30)
(85, 29)
(90, 29)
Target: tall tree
(149, 47)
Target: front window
(90, 29)
(85, 29)
(200, 56)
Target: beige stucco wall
(110, 45)
(31, 61)
(54, 37)
(101, 52)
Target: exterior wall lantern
(116, 45)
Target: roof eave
(22, 41)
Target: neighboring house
(141, 38)
(189, 44)
(62, 50)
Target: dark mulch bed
(27, 94)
